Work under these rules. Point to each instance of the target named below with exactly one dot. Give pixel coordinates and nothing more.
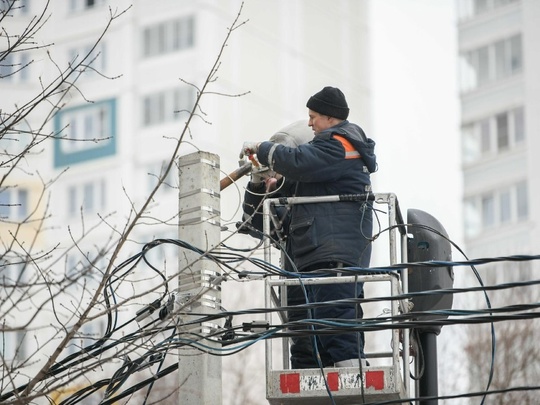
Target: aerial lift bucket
(376, 382)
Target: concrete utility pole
(199, 280)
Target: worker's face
(319, 122)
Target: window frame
(479, 218)
(85, 146)
(14, 203)
(90, 195)
(168, 36)
(490, 63)
(165, 106)
(483, 138)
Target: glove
(249, 148)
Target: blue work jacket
(337, 161)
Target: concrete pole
(198, 283)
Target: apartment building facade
(499, 99)
(118, 127)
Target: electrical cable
(308, 327)
(488, 302)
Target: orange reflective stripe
(350, 152)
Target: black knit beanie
(329, 101)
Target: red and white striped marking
(295, 383)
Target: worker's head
(327, 108)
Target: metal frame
(398, 282)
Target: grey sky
(416, 111)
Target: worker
(268, 184)
(322, 236)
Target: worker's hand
(249, 148)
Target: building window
(483, 65)
(14, 270)
(15, 7)
(85, 133)
(15, 67)
(169, 36)
(167, 106)
(508, 57)
(472, 8)
(87, 128)
(488, 211)
(515, 55)
(511, 204)
(505, 207)
(471, 215)
(13, 346)
(522, 201)
(519, 125)
(489, 63)
(91, 197)
(154, 171)
(81, 5)
(502, 132)
(485, 136)
(498, 133)
(95, 62)
(5, 204)
(14, 203)
(467, 77)
(72, 200)
(501, 61)
(22, 200)
(470, 143)
(15, 140)
(88, 197)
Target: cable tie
(251, 276)
(147, 310)
(255, 326)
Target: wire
(237, 264)
(488, 302)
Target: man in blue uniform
(337, 161)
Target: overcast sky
(416, 124)
(416, 114)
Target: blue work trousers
(330, 347)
